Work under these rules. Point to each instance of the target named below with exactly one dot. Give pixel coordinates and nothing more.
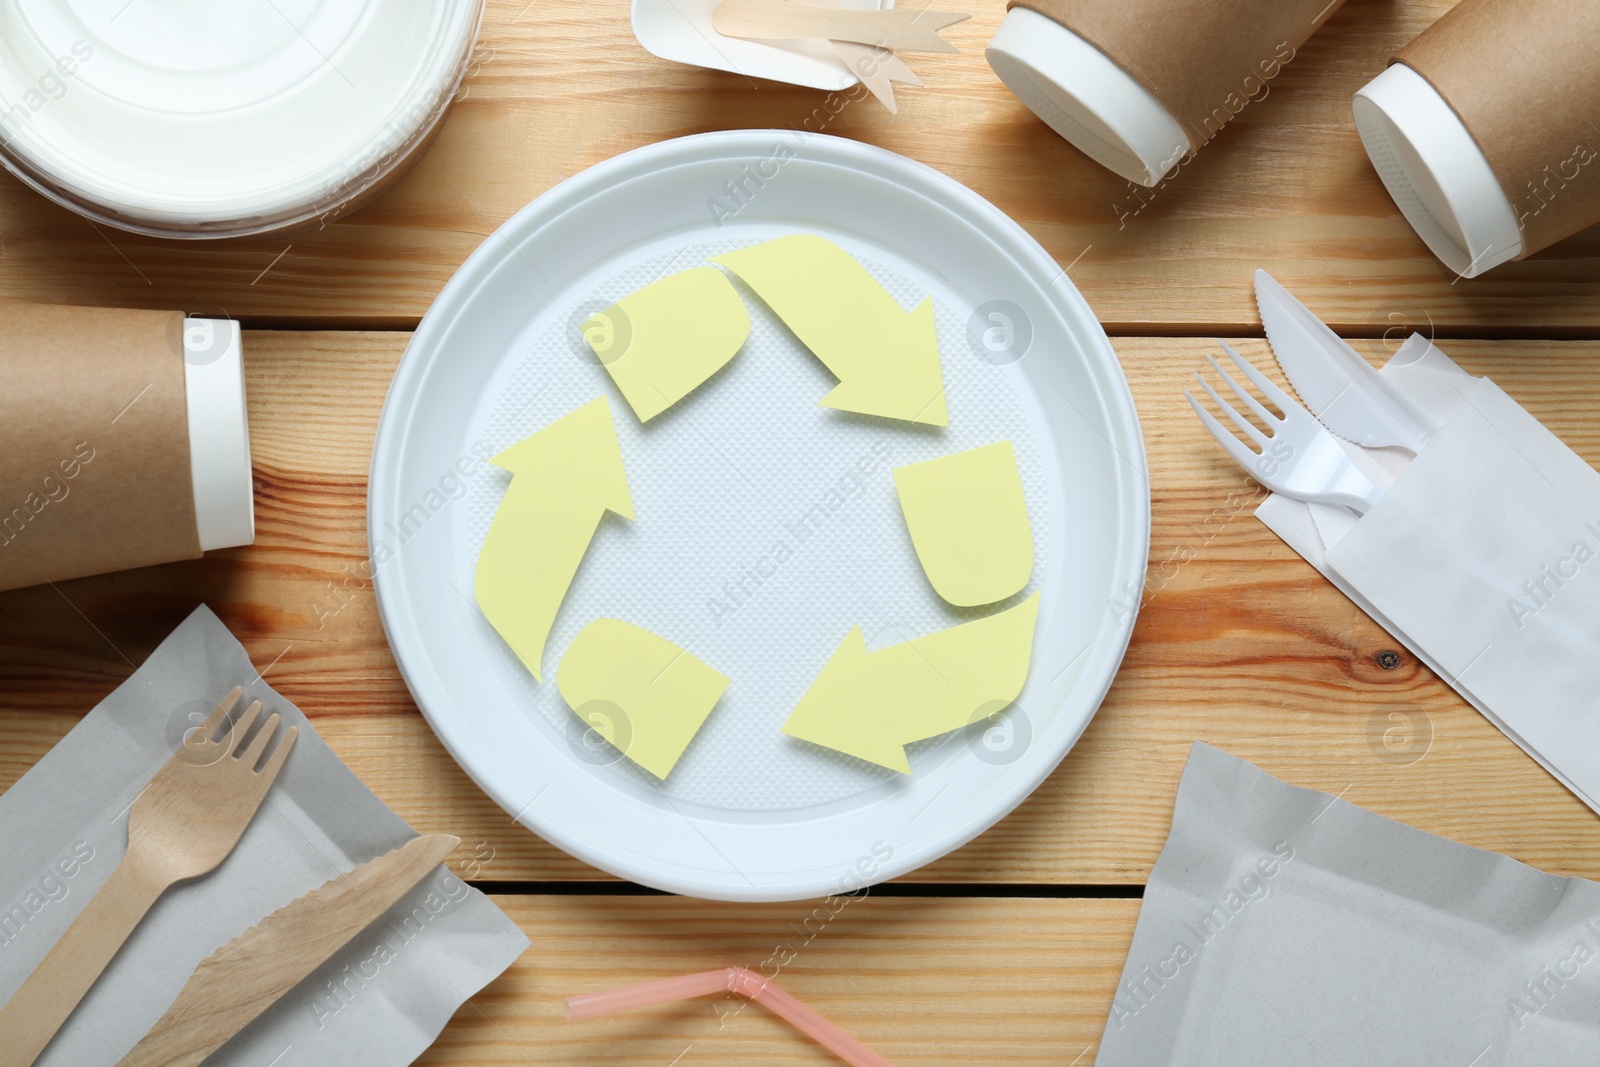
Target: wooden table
(1007, 950)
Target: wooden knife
(893, 28)
(248, 975)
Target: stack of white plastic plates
(184, 119)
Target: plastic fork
(184, 823)
(1299, 458)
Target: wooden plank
(941, 980)
(562, 85)
(1239, 642)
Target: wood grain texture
(562, 85)
(1239, 642)
(947, 980)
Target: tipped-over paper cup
(123, 441)
(1137, 85)
(1481, 130)
(1436, 173)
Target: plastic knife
(1339, 386)
(245, 977)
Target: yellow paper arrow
(660, 342)
(565, 478)
(886, 359)
(969, 523)
(642, 693)
(872, 704)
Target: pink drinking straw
(740, 980)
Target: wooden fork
(181, 826)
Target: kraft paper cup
(1085, 97)
(1483, 129)
(1436, 173)
(124, 441)
(1137, 85)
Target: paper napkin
(1282, 927)
(64, 827)
(1482, 557)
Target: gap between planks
(1155, 331)
(992, 890)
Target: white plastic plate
(750, 814)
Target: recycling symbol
(965, 512)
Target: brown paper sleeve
(1524, 78)
(1202, 60)
(94, 443)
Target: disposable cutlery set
(1301, 458)
(1448, 513)
(182, 826)
(866, 40)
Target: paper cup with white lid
(186, 122)
(124, 441)
(1138, 85)
(1483, 129)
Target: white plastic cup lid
(219, 433)
(1085, 97)
(1436, 173)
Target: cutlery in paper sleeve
(368, 945)
(1483, 553)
